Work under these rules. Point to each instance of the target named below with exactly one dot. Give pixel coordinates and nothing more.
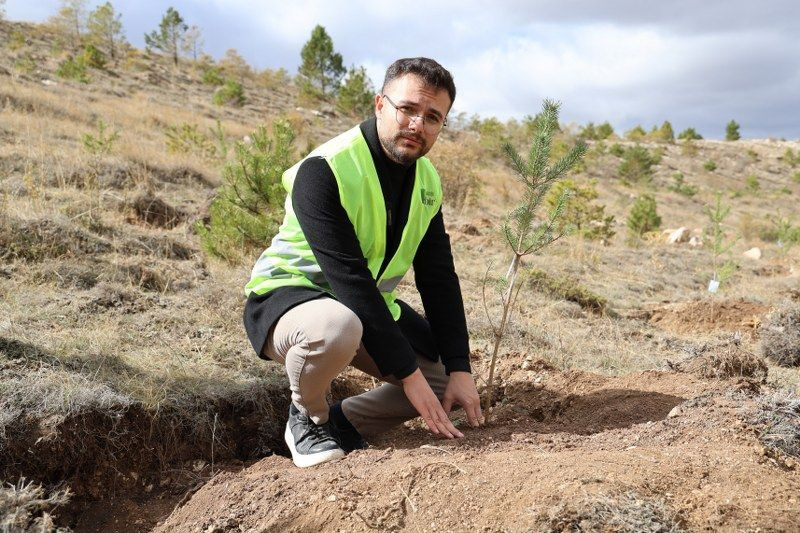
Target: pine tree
(524, 231)
(192, 42)
(321, 69)
(665, 132)
(169, 34)
(357, 95)
(105, 29)
(234, 65)
(689, 134)
(732, 131)
(70, 21)
(643, 216)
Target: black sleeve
(332, 238)
(438, 285)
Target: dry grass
(778, 420)
(624, 512)
(26, 506)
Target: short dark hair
(431, 72)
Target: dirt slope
(663, 443)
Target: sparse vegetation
(710, 165)
(105, 30)
(248, 207)
(357, 95)
(103, 142)
(791, 158)
(580, 214)
(26, 506)
(457, 165)
(188, 139)
(231, 93)
(778, 420)
(212, 76)
(689, 134)
(567, 289)
(643, 216)
(73, 68)
(680, 186)
(752, 184)
(590, 132)
(637, 163)
(780, 336)
(636, 133)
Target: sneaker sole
(305, 460)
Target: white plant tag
(713, 285)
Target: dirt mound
(153, 211)
(704, 316)
(543, 464)
(728, 359)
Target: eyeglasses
(404, 115)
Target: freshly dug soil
(704, 316)
(666, 450)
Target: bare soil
(664, 437)
(710, 315)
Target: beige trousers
(318, 339)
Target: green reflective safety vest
(289, 260)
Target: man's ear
(378, 106)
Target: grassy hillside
(123, 360)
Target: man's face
(408, 140)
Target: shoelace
(318, 432)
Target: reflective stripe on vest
(289, 260)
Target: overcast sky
(629, 62)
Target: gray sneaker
(310, 444)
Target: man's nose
(416, 123)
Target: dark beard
(398, 156)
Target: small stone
(676, 411)
(679, 235)
(753, 253)
(332, 498)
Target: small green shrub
(643, 216)
(710, 165)
(637, 163)
(17, 40)
(753, 155)
(636, 133)
(93, 57)
(716, 238)
(796, 177)
(580, 214)
(249, 205)
(25, 64)
(665, 133)
(791, 158)
(732, 131)
(591, 132)
(212, 76)
(356, 97)
(103, 142)
(567, 289)
(617, 150)
(751, 183)
(188, 139)
(73, 68)
(681, 187)
(231, 93)
(689, 134)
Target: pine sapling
(723, 266)
(523, 230)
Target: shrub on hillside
(103, 142)
(637, 163)
(780, 336)
(681, 187)
(791, 158)
(689, 134)
(643, 216)
(636, 133)
(73, 68)
(617, 150)
(231, 93)
(580, 214)
(356, 96)
(248, 208)
(212, 76)
(751, 183)
(710, 165)
(188, 139)
(93, 57)
(732, 131)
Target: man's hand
(461, 390)
(421, 396)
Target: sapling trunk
(523, 231)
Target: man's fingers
(431, 424)
(447, 404)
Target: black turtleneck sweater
(330, 234)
